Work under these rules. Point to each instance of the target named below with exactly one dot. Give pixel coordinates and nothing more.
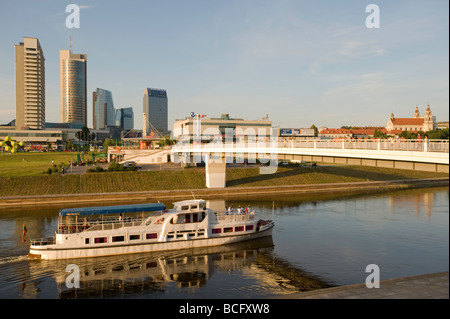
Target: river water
(318, 241)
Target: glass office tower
(125, 118)
(73, 87)
(155, 108)
(103, 108)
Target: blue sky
(300, 62)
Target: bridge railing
(376, 144)
(422, 145)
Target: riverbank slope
(241, 192)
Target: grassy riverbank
(33, 163)
(106, 182)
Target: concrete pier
(429, 286)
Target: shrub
(114, 166)
(96, 169)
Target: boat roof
(189, 201)
(101, 210)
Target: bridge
(424, 155)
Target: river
(318, 241)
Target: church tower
(416, 113)
(428, 121)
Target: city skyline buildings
(249, 60)
(73, 87)
(125, 118)
(30, 84)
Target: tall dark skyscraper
(155, 108)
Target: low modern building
(236, 129)
(297, 133)
(55, 133)
(357, 132)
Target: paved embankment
(19, 201)
(429, 286)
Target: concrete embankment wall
(46, 200)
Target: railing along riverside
(43, 241)
(98, 224)
(235, 217)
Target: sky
(299, 62)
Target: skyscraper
(73, 87)
(103, 109)
(30, 84)
(125, 118)
(155, 108)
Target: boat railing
(43, 241)
(98, 224)
(235, 217)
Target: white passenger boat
(126, 229)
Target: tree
(438, 134)
(69, 145)
(166, 142)
(84, 134)
(408, 135)
(379, 134)
(110, 142)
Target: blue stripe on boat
(102, 210)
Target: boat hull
(55, 252)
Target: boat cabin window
(118, 238)
(188, 218)
(191, 206)
(100, 240)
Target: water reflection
(187, 270)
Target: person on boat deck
(120, 217)
(247, 210)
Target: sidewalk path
(430, 286)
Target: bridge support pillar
(215, 171)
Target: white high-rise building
(30, 85)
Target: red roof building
(414, 124)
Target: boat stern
(264, 225)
